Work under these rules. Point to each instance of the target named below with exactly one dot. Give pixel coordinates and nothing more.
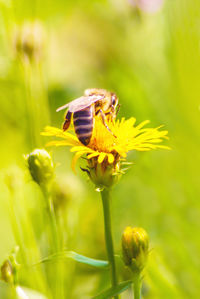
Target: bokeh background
(148, 52)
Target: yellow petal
(142, 149)
(110, 158)
(142, 124)
(130, 122)
(51, 131)
(101, 157)
(78, 148)
(164, 147)
(59, 143)
(75, 159)
(95, 154)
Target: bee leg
(104, 122)
(67, 121)
(118, 107)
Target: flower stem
(137, 286)
(105, 195)
(57, 289)
(52, 219)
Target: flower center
(102, 139)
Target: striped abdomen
(67, 121)
(83, 124)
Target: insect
(94, 102)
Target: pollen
(102, 139)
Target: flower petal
(51, 131)
(94, 154)
(101, 157)
(75, 159)
(59, 143)
(81, 148)
(142, 124)
(110, 158)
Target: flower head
(106, 149)
(135, 246)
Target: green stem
(32, 111)
(105, 195)
(55, 243)
(52, 219)
(137, 287)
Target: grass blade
(76, 257)
(123, 286)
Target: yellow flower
(105, 146)
(106, 150)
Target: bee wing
(62, 107)
(81, 103)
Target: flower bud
(10, 267)
(103, 175)
(40, 166)
(7, 272)
(28, 40)
(135, 245)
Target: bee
(83, 110)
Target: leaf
(123, 286)
(76, 257)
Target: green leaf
(76, 257)
(123, 286)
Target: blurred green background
(152, 61)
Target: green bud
(29, 40)
(103, 175)
(135, 246)
(7, 273)
(40, 166)
(10, 267)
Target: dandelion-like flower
(107, 150)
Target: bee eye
(114, 100)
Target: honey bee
(94, 102)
